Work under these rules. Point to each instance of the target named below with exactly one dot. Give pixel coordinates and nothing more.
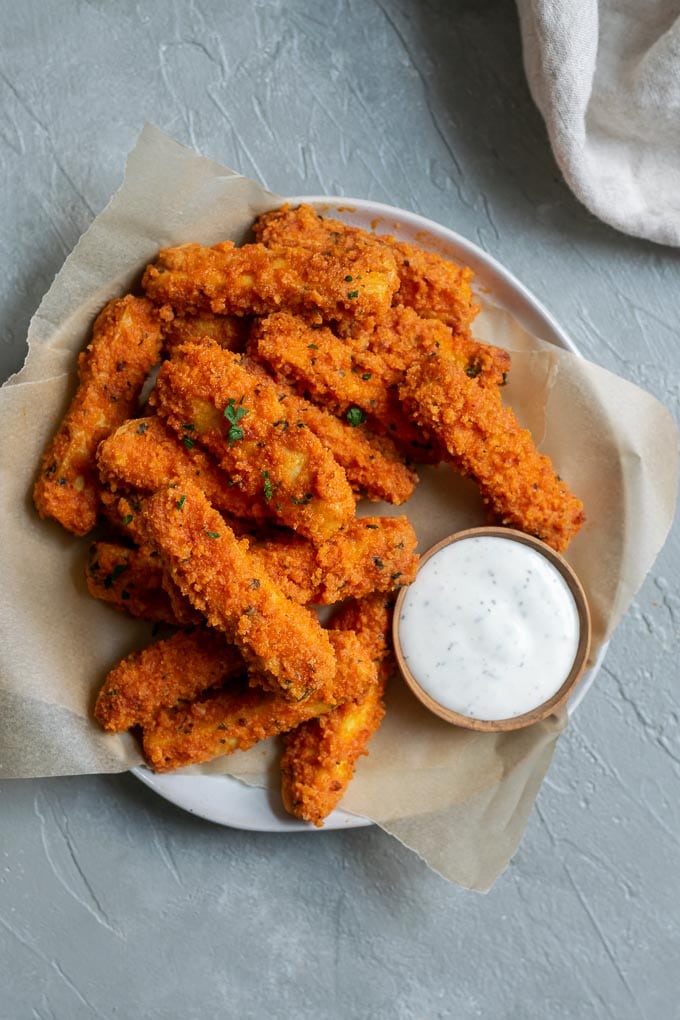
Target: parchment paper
(459, 799)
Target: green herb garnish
(353, 294)
(180, 502)
(188, 442)
(119, 569)
(213, 534)
(126, 520)
(267, 487)
(233, 414)
(355, 416)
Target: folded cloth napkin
(605, 74)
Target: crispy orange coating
(402, 336)
(238, 716)
(320, 757)
(372, 554)
(434, 286)
(371, 614)
(134, 582)
(130, 580)
(126, 343)
(166, 673)
(254, 280)
(216, 572)
(485, 441)
(349, 383)
(229, 331)
(238, 417)
(144, 454)
(372, 463)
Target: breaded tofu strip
(357, 386)
(128, 579)
(403, 336)
(485, 441)
(238, 716)
(432, 285)
(372, 463)
(134, 582)
(175, 670)
(372, 554)
(126, 343)
(229, 331)
(237, 416)
(145, 455)
(254, 280)
(320, 757)
(216, 572)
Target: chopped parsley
(213, 534)
(313, 347)
(180, 502)
(234, 413)
(126, 520)
(188, 442)
(353, 294)
(119, 569)
(367, 375)
(473, 369)
(189, 427)
(348, 279)
(355, 416)
(267, 487)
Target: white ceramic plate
(225, 800)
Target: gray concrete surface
(114, 904)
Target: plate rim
(473, 253)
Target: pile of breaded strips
(297, 375)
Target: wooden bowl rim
(547, 707)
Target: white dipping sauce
(489, 628)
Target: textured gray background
(114, 904)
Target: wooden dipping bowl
(547, 707)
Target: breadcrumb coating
(126, 343)
(434, 286)
(229, 331)
(372, 554)
(166, 673)
(372, 463)
(254, 280)
(239, 715)
(130, 580)
(266, 451)
(485, 441)
(320, 756)
(402, 337)
(145, 455)
(358, 386)
(216, 572)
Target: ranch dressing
(489, 628)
